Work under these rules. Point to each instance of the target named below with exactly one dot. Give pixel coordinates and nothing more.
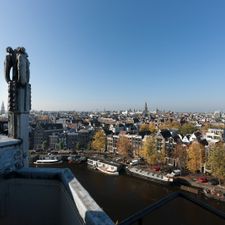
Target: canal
(121, 196)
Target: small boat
(106, 167)
(48, 160)
(108, 170)
(217, 195)
(76, 159)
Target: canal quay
(121, 196)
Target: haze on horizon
(95, 55)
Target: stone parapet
(88, 209)
(10, 155)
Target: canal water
(121, 196)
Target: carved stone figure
(23, 65)
(10, 63)
(17, 61)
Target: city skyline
(119, 54)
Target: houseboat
(147, 175)
(77, 159)
(217, 195)
(106, 167)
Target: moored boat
(108, 170)
(217, 195)
(76, 159)
(155, 177)
(50, 159)
(106, 167)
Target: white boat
(92, 162)
(48, 160)
(164, 179)
(110, 168)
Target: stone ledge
(6, 141)
(88, 209)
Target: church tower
(2, 109)
(145, 112)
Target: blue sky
(118, 54)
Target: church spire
(2, 109)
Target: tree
(152, 128)
(77, 147)
(187, 128)
(169, 125)
(144, 128)
(180, 155)
(150, 153)
(44, 145)
(57, 146)
(196, 157)
(124, 146)
(99, 141)
(216, 161)
(61, 145)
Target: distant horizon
(88, 55)
(140, 109)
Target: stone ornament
(17, 61)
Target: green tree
(187, 128)
(44, 145)
(57, 146)
(216, 161)
(99, 141)
(77, 147)
(196, 157)
(61, 145)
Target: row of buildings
(51, 136)
(73, 130)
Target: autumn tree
(124, 146)
(99, 141)
(149, 151)
(152, 128)
(196, 157)
(180, 155)
(216, 161)
(144, 127)
(169, 125)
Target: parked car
(202, 179)
(156, 168)
(213, 181)
(176, 172)
(134, 162)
